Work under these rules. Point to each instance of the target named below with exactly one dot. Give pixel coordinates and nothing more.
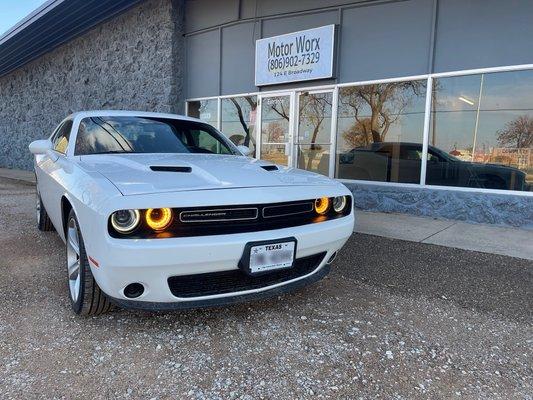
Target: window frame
(56, 133)
(430, 77)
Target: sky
(12, 11)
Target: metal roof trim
(53, 24)
(29, 19)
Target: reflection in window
(238, 120)
(380, 131)
(482, 131)
(62, 136)
(275, 129)
(314, 131)
(206, 110)
(100, 135)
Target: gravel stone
(394, 319)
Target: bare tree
(275, 132)
(357, 135)
(517, 133)
(376, 108)
(252, 103)
(314, 108)
(277, 104)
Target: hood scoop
(269, 167)
(170, 168)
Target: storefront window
(482, 131)
(206, 110)
(275, 127)
(380, 131)
(238, 120)
(314, 131)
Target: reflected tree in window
(380, 131)
(247, 128)
(275, 132)
(375, 108)
(314, 111)
(485, 123)
(517, 133)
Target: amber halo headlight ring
(158, 219)
(339, 203)
(322, 205)
(125, 221)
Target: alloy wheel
(38, 208)
(73, 259)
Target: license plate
(269, 256)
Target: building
(419, 106)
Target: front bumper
(152, 261)
(227, 300)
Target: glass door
(276, 128)
(313, 139)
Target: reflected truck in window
(401, 162)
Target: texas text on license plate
(272, 256)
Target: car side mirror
(40, 146)
(245, 150)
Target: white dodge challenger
(159, 211)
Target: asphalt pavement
(394, 319)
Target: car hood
(132, 173)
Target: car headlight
(125, 221)
(339, 203)
(158, 218)
(322, 205)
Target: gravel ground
(394, 319)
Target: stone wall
(133, 61)
(489, 208)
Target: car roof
(129, 113)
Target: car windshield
(105, 135)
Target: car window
(98, 135)
(61, 137)
(410, 153)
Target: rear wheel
(86, 296)
(43, 220)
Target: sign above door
(293, 57)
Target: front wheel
(86, 296)
(43, 220)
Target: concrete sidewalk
(493, 239)
(18, 175)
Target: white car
(161, 211)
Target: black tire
(90, 299)
(43, 220)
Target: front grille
(243, 218)
(237, 281)
(222, 214)
(285, 210)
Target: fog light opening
(332, 258)
(133, 290)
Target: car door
(51, 170)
